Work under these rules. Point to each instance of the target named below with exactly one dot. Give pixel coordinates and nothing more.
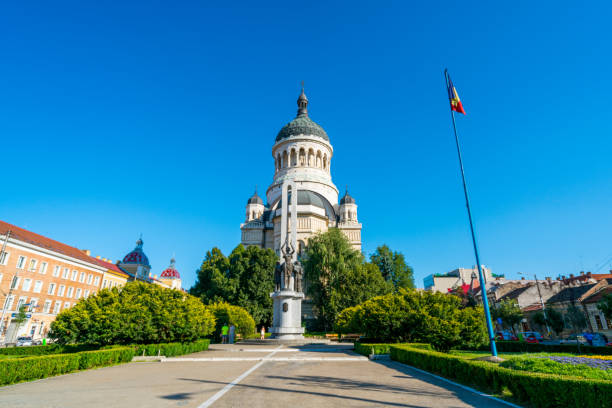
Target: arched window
(285, 159)
(318, 159)
(311, 158)
(293, 158)
(302, 157)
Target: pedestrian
(263, 332)
(232, 333)
(224, 331)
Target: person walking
(262, 332)
(224, 331)
(232, 333)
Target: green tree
(555, 320)
(393, 267)
(509, 312)
(605, 306)
(417, 316)
(575, 319)
(245, 279)
(337, 276)
(228, 314)
(21, 316)
(136, 313)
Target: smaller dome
(137, 256)
(255, 199)
(170, 272)
(347, 199)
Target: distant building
(170, 277)
(136, 264)
(43, 275)
(444, 282)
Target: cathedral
(302, 153)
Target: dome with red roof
(137, 256)
(170, 272)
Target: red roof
(532, 308)
(170, 273)
(110, 266)
(44, 242)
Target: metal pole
(485, 300)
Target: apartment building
(43, 275)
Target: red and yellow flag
(453, 96)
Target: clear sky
(121, 118)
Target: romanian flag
(453, 96)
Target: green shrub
(35, 367)
(171, 349)
(47, 349)
(135, 313)
(416, 316)
(539, 390)
(230, 314)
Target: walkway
(248, 376)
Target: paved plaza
(248, 376)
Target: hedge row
(45, 350)
(539, 390)
(384, 348)
(524, 347)
(171, 349)
(41, 366)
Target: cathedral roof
(347, 199)
(255, 199)
(302, 124)
(306, 197)
(137, 256)
(170, 272)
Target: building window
(89, 279)
(60, 290)
(56, 271)
(66, 273)
(4, 258)
(21, 302)
(104, 284)
(82, 277)
(33, 304)
(51, 289)
(57, 306)
(96, 280)
(78, 293)
(21, 262)
(32, 267)
(43, 268)
(8, 303)
(69, 294)
(27, 283)
(66, 305)
(74, 275)
(14, 282)
(47, 306)
(598, 322)
(37, 286)
(86, 293)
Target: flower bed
(538, 389)
(524, 347)
(582, 367)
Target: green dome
(302, 125)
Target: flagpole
(483, 289)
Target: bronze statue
(298, 275)
(278, 270)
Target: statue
(298, 275)
(278, 270)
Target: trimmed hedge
(539, 390)
(45, 350)
(171, 349)
(35, 367)
(524, 347)
(384, 348)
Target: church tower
(136, 263)
(302, 154)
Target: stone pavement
(248, 376)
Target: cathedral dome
(137, 256)
(255, 199)
(306, 197)
(170, 272)
(347, 199)
(302, 124)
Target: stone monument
(288, 275)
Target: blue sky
(121, 118)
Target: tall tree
(337, 276)
(245, 279)
(393, 267)
(509, 312)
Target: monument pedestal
(287, 321)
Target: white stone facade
(302, 154)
